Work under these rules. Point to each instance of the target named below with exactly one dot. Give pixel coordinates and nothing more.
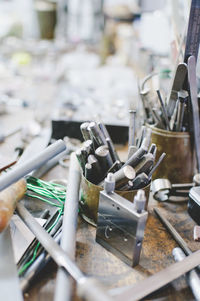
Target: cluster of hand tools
(98, 157)
(172, 114)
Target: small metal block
(120, 228)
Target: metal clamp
(162, 189)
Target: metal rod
(156, 165)
(36, 161)
(136, 157)
(37, 266)
(9, 281)
(176, 236)
(131, 133)
(88, 288)
(47, 166)
(163, 110)
(63, 289)
(85, 131)
(192, 277)
(149, 285)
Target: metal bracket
(120, 227)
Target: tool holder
(178, 166)
(121, 225)
(90, 199)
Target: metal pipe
(136, 157)
(63, 289)
(97, 134)
(88, 288)
(35, 162)
(50, 164)
(112, 150)
(131, 133)
(192, 277)
(163, 110)
(37, 266)
(123, 175)
(176, 236)
(85, 131)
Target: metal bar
(37, 145)
(151, 284)
(88, 288)
(177, 84)
(176, 236)
(163, 110)
(37, 266)
(195, 107)
(50, 164)
(64, 285)
(156, 165)
(33, 163)
(131, 133)
(9, 282)
(193, 32)
(192, 277)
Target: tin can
(178, 165)
(90, 199)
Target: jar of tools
(178, 166)
(98, 158)
(90, 199)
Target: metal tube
(97, 134)
(89, 172)
(115, 167)
(192, 277)
(103, 155)
(63, 290)
(123, 175)
(140, 181)
(50, 164)
(145, 164)
(131, 133)
(58, 254)
(163, 110)
(104, 130)
(85, 131)
(112, 150)
(35, 162)
(37, 266)
(136, 157)
(9, 281)
(96, 169)
(88, 288)
(156, 165)
(176, 236)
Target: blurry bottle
(85, 20)
(117, 30)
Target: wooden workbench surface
(94, 260)
(156, 254)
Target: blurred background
(83, 60)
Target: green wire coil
(51, 193)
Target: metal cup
(178, 165)
(90, 199)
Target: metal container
(46, 14)
(90, 199)
(178, 165)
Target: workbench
(95, 261)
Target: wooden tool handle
(8, 200)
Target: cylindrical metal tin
(90, 199)
(178, 165)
